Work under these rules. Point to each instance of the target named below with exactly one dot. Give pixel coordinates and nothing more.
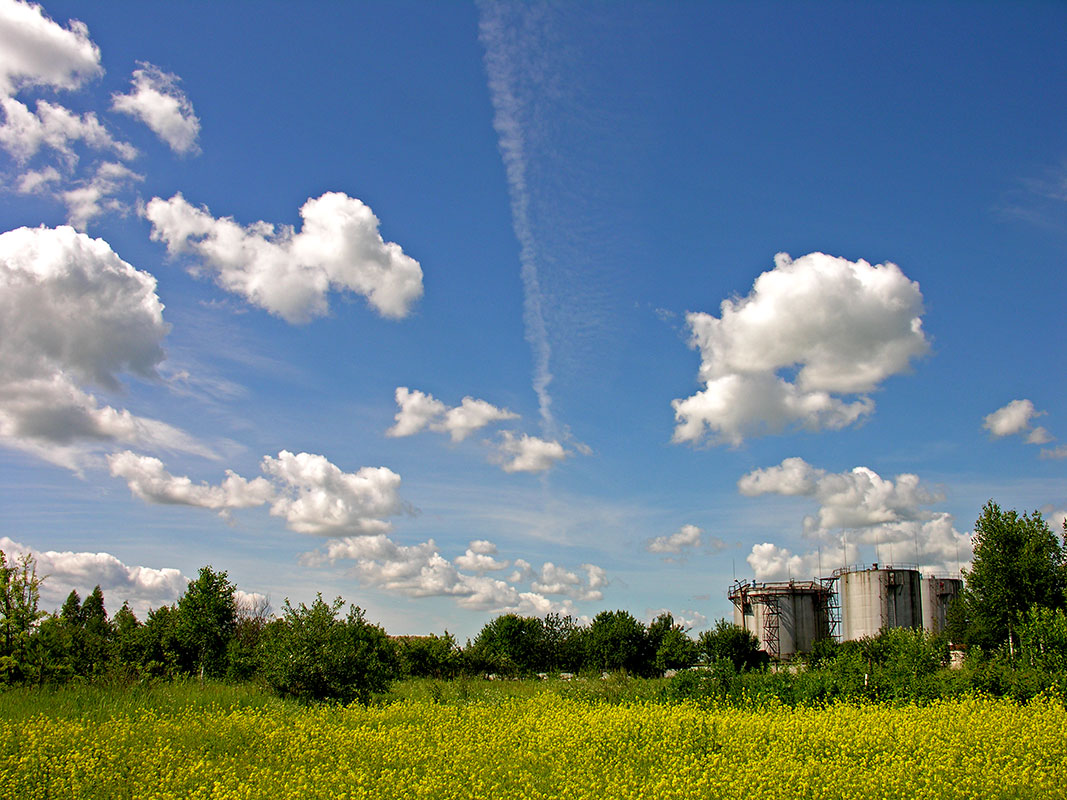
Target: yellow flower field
(545, 747)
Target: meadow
(474, 739)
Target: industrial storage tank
(872, 599)
(787, 617)
(937, 596)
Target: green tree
(20, 596)
(510, 645)
(617, 641)
(310, 654)
(731, 643)
(207, 620)
(1018, 563)
(671, 644)
(428, 656)
(126, 643)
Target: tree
(732, 643)
(428, 656)
(1018, 563)
(511, 645)
(310, 654)
(207, 619)
(617, 641)
(20, 596)
(670, 643)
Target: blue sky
(457, 309)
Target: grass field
(517, 741)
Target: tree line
(1012, 617)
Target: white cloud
(479, 558)
(289, 273)
(73, 313)
(687, 536)
(317, 497)
(1014, 418)
(312, 494)
(89, 199)
(419, 411)
(142, 587)
(471, 415)
(528, 453)
(858, 507)
(842, 326)
(421, 570)
(24, 132)
(858, 498)
(1054, 452)
(149, 480)
(35, 51)
(158, 101)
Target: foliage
(20, 596)
(206, 622)
(510, 645)
(732, 643)
(310, 654)
(671, 644)
(617, 641)
(428, 656)
(1018, 563)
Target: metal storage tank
(937, 596)
(787, 618)
(873, 599)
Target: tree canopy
(1018, 563)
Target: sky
(460, 309)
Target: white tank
(937, 596)
(787, 618)
(874, 599)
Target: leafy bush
(310, 654)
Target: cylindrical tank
(873, 599)
(787, 618)
(937, 596)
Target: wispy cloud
(498, 32)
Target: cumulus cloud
(804, 348)
(859, 498)
(142, 587)
(289, 273)
(90, 198)
(148, 479)
(420, 570)
(35, 51)
(479, 558)
(686, 537)
(1014, 418)
(307, 490)
(419, 411)
(72, 313)
(858, 507)
(528, 453)
(25, 132)
(158, 101)
(315, 496)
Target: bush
(311, 655)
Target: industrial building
(855, 602)
(787, 618)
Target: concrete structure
(787, 617)
(937, 595)
(872, 599)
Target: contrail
(501, 63)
